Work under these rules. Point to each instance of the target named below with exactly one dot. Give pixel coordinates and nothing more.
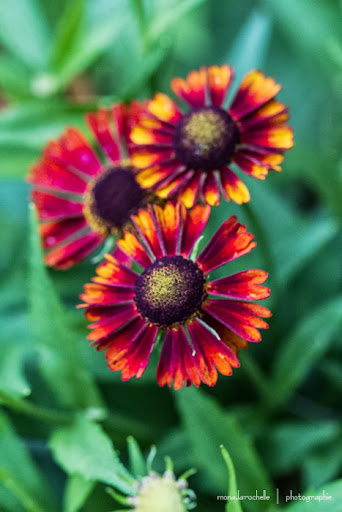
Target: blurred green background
(279, 416)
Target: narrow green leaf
(232, 505)
(24, 32)
(19, 474)
(60, 353)
(334, 490)
(303, 347)
(68, 31)
(208, 427)
(328, 457)
(84, 449)
(136, 458)
(12, 378)
(76, 493)
(251, 44)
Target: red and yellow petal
(169, 221)
(278, 137)
(210, 190)
(228, 337)
(190, 192)
(115, 272)
(254, 91)
(102, 126)
(242, 318)
(193, 89)
(274, 112)
(100, 294)
(145, 223)
(177, 363)
(233, 188)
(109, 323)
(71, 253)
(220, 79)
(243, 285)
(229, 242)
(134, 250)
(164, 109)
(194, 222)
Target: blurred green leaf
(333, 505)
(19, 474)
(84, 449)
(12, 378)
(84, 40)
(285, 446)
(77, 491)
(299, 351)
(60, 354)
(29, 125)
(328, 457)
(14, 78)
(167, 18)
(67, 31)
(208, 427)
(310, 25)
(307, 240)
(23, 30)
(232, 505)
(136, 458)
(15, 161)
(251, 44)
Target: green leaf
(60, 351)
(30, 125)
(24, 32)
(84, 449)
(251, 44)
(68, 31)
(232, 505)
(208, 427)
(304, 346)
(19, 474)
(76, 493)
(168, 18)
(14, 77)
(85, 39)
(285, 446)
(328, 457)
(136, 458)
(12, 378)
(310, 25)
(333, 505)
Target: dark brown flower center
(205, 138)
(112, 199)
(170, 290)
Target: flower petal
(73, 252)
(210, 191)
(194, 222)
(193, 89)
(131, 246)
(243, 285)
(103, 127)
(254, 91)
(233, 188)
(52, 207)
(220, 79)
(164, 109)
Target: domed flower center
(170, 290)
(112, 199)
(160, 495)
(205, 138)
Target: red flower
(173, 293)
(81, 199)
(190, 155)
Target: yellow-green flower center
(205, 138)
(160, 495)
(170, 290)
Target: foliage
(278, 416)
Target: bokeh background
(279, 415)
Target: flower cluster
(160, 171)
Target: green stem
(138, 8)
